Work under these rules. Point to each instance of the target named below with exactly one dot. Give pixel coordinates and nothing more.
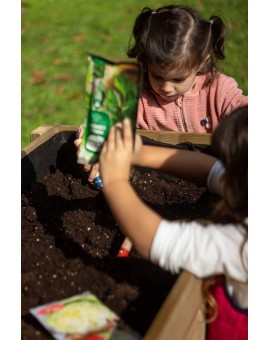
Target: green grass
(58, 35)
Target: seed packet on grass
(82, 317)
(112, 92)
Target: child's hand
(137, 150)
(91, 169)
(116, 154)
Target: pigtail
(139, 33)
(218, 31)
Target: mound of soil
(70, 241)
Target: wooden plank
(44, 128)
(181, 315)
(43, 133)
(172, 137)
(39, 131)
(46, 134)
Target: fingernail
(79, 131)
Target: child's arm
(136, 220)
(189, 165)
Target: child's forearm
(189, 165)
(137, 221)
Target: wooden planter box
(181, 315)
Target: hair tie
(150, 18)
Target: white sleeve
(202, 250)
(214, 176)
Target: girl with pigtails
(182, 89)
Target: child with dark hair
(216, 252)
(182, 89)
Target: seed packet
(82, 317)
(112, 92)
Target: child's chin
(168, 98)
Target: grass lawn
(58, 35)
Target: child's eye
(178, 80)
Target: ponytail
(218, 32)
(138, 32)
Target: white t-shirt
(205, 250)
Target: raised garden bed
(70, 242)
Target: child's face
(169, 85)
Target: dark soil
(70, 241)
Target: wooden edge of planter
(41, 130)
(42, 134)
(170, 137)
(181, 316)
(173, 137)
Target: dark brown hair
(177, 36)
(230, 145)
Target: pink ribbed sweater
(199, 110)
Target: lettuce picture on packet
(82, 317)
(112, 92)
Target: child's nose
(167, 86)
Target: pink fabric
(230, 323)
(199, 110)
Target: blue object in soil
(98, 182)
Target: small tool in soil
(125, 248)
(97, 181)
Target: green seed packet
(112, 92)
(82, 317)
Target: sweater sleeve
(202, 250)
(229, 94)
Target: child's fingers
(110, 143)
(93, 172)
(127, 132)
(138, 143)
(118, 136)
(79, 132)
(87, 167)
(77, 142)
